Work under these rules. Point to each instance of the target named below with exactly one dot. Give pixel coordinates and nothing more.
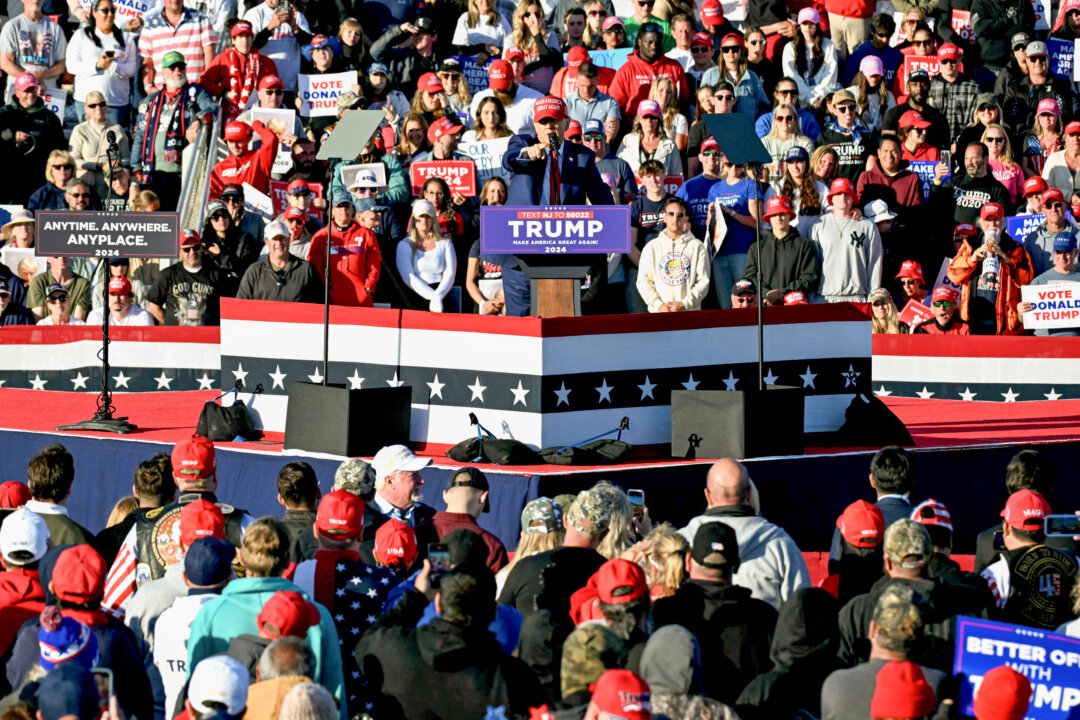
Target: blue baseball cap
(797, 154)
(367, 203)
(592, 127)
(208, 561)
(378, 69)
(1064, 242)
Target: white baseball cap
(365, 179)
(23, 530)
(275, 229)
(878, 211)
(394, 458)
(220, 679)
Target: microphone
(553, 141)
(111, 137)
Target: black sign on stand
(107, 235)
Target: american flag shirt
(353, 592)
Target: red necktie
(553, 194)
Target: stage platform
(962, 449)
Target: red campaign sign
(929, 63)
(278, 192)
(460, 175)
(961, 25)
(671, 182)
(914, 313)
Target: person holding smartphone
(103, 59)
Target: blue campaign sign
(925, 170)
(476, 75)
(1050, 661)
(613, 59)
(1061, 57)
(1018, 226)
(543, 230)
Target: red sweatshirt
(355, 269)
(633, 79)
(21, 598)
(253, 167)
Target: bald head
(727, 484)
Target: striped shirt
(189, 37)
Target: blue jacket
(47, 197)
(234, 613)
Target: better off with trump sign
(101, 234)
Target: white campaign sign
(488, 156)
(1056, 306)
(319, 93)
(258, 203)
(280, 122)
(56, 100)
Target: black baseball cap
(716, 547)
(470, 477)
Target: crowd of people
(884, 166)
(365, 602)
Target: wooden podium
(556, 282)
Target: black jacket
(787, 264)
(46, 134)
(961, 198)
(441, 670)
(735, 632)
(246, 650)
(297, 282)
(994, 23)
(296, 522)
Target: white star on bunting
(605, 391)
(205, 382)
(316, 377)
(121, 380)
(883, 392)
(563, 393)
(730, 381)
(925, 394)
(477, 390)
(1010, 396)
(239, 372)
(968, 395)
(394, 382)
(278, 377)
(850, 376)
(435, 388)
(808, 378)
(691, 384)
(770, 379)
(38, 383)
(1052, 395)
(79, 381)
(519, 394)
(355, 381)
(164, 382)
(647, 389)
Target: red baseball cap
(1049, 106)
(913, 119)
(712, 13)
(842, 186)
(13, 494)
(514, 53)
(500, 75)
(573, 129)
(992, 210)
(948, 51)
(287, 612)
(241, 28)
(575, 56)
(901, 691)
(189, 237)
(429, 82)
(709, 143)
(733, 38)
(340, 513)
(294, 213)
(623, 694)
(297, 186)
(932, 512)
(946, 293)
(201, 518)
(395, 544)
(620, 581)
(965, 230)
(271, 81)
(778, 205)
(910, 269)
(862, 524)
(1053, 194)
(1003, 694)
(549, 107)
(1034, 185)
(195, 453)
(1073, 128)
(79, 575)
(1025, 510)
(701, 38)
(796, 297)
(444, 126)
(119, 285)
(237, 130)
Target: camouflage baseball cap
(907, 544)
(347, 101)
(896, 616)
(564, 500)
(590, 513)
(587, 653)
(542, 515)
(355, 476)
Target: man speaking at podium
(546, 171)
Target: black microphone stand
(103, 420)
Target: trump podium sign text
(1050, 661)
(101, 234)
(1055, 306)
(585, 229)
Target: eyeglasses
(881, 36)
(730, 49)
(711, 154)
(618, 30)
(592, 137)
(879, 304)
(534, 15)
(675, 214)
(274, 91)
(598, 13)
(64, 166)
(1054, 206)
(106, 10)
(942, 304)
(79, 196)
(792, 91)
(995, 140)
(987, 108)
(758, 42)
(220, 216)
(59, 299)
(191, 249)
(650, 117)
(449, 75)
(844, 108)
(784, 118)
(293, 220)
(232, 200)
(726, 97)
(647, 3)
(918, 130)
(948, 62)
(699, 49)
(1036, 59)
(95, 106)
(922, 43)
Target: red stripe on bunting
(49, 335)
(977, 347)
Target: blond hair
(587, 37)
(671, 109)
(1006, 148)
(518, 28)
(619, 536)
(473, 15)
(58, 155)
(144, 199)
(265, 549)
(123, 507)
(891, 324)
(534, 544)
(666, 567)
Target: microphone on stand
(553, 141)
(111, 137)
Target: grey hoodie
(771, 566)
(1040, 246)
(671, 664)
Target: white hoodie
(771, 566)
(674, 271)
